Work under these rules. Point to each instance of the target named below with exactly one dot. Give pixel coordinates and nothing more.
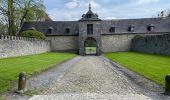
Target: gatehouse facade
(105, 35)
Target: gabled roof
(161, 25)
(58, 27)
(90, 16)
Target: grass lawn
(90, 50)
(11, 67)
(153, 67)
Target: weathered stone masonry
(159, 44)
(64, 43)
(19, 46)
(120, 42)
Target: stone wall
(83, 35)
(11, 46)
(115, 43)
(118, 42)
(64, 43)
(159, 44)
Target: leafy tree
(13, 13)
(164, 13)
(11, 17)
(33, 34)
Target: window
(89, 28)
(151, 27)
(50, 30)
(112, 29)
(67, 30)
(89, 16)
(131, 28)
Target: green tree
(33, 34)
(11, 27)
(164, 13)
(15, 12)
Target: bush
(33, 34)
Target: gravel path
(92, 78)
(50, 76)
(44, 79)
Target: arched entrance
(90, 46)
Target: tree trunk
(11, 27)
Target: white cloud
(111, 18)
(63, 14)
(144, 1)
(81, 4)
(72, 4)
(70, 13)
(94, 4)
(129, 9)
(85, 5)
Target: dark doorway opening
(90, 46)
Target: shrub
(33, 34)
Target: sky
(70, 10)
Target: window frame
(89, 29)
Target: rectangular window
(89, 28)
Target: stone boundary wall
(159, 44)
(116, 43)
(64, 43)
(11, 46)
(120, 42)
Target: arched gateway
(90, 46)
(89, 34)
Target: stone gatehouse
(108, 35)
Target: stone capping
(128, 33)
(9, 37)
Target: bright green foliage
(15, 12)
(11, 67)
(153, 67)
(33, 34)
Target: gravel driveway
(93, 78)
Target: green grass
(2, 98)
(11, 67)
(90, 50)
(153, 67)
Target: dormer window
(131, 28)
(50, 30)
(112, 29)
(150, 27)
(89, 16)
(67, 30)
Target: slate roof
(121, 26)
(90, 16)
(58, 27)
(161, 25)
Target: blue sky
(106, 9)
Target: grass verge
(11, 67)
(153, 67)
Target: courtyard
(84, 50)
(90, 77)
